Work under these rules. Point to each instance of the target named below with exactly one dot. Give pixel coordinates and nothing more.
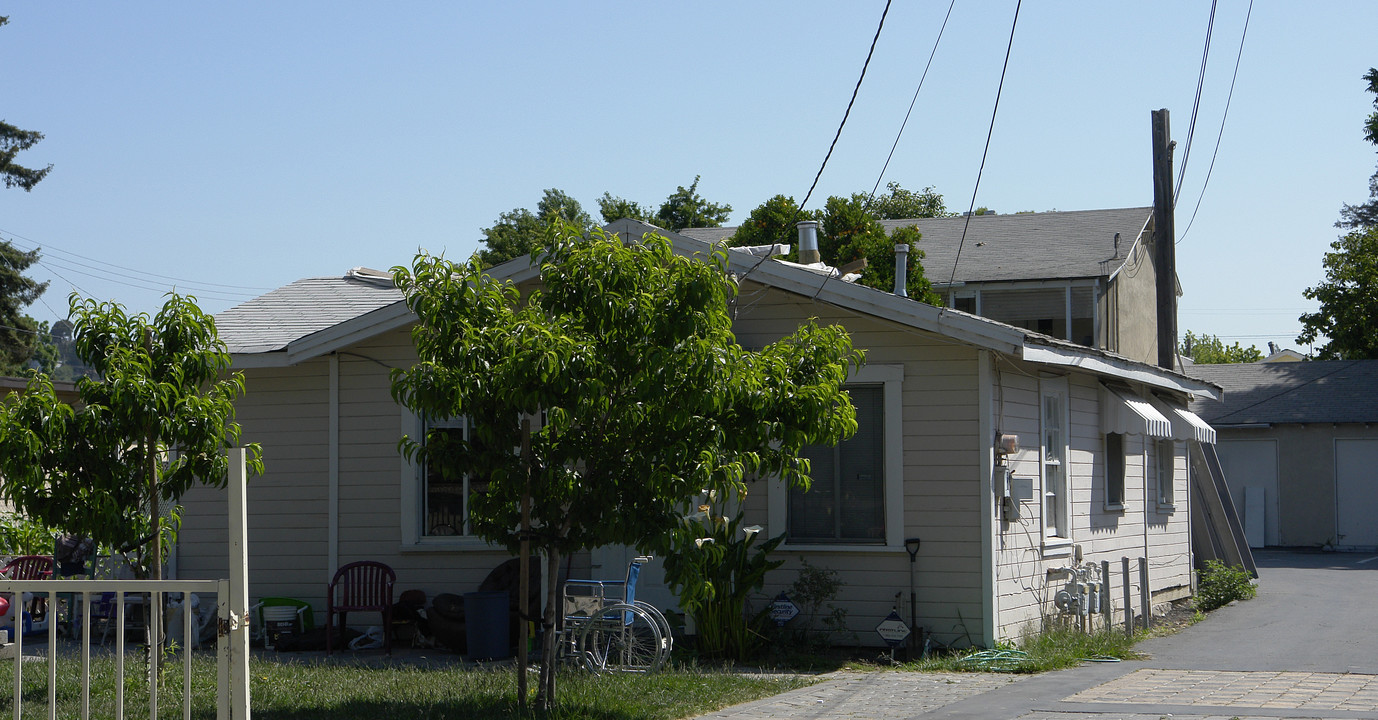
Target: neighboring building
(1084, 276)
(1299, 445)
(1101, 472)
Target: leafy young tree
(518, 232)
(626, 351)
(615, 208)
(1366, 215)
(773, 221)
(1206, 349)
(687, 208)
(12, 142)
(156, 422)
(19, 333)
(901, 204)
(1348, 314)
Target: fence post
(1128, 599)
(1144, 596)
(239, 588)
(1107, 601)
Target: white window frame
(1166, 460)
(1122, 462)
(1055, 534)
(413, 497)
(891, 378)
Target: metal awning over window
(1186, 425)
(1124, 411)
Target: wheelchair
(606, 629)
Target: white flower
(751, 530)
(700, 541)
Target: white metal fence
(231, 619)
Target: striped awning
(1186, 425)
(1124, 411)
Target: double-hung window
(1057, 500)
(846, 502)
(856, 500)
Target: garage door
(1356, 493)
(1251, 471)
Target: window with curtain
(445, 494)
(1057, 505)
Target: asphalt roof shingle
(1337, 391)
(1025, 246)
(270, 322)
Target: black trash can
(486, 622)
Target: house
(1299, 445)
(1085, 276)
(1091, 463)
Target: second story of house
(1085, 276)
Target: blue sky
(233, 149)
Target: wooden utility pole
(1164, 241)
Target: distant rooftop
(1337, 391)
(1003, 248)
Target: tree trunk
(524, 567)
(545, 693)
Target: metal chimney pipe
(901, 269)
(808, 241)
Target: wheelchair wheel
(667, 637)
(624, 638)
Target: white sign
(893, 630)
(782, 610)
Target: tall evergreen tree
(18, 332)
(12, 142)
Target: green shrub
(22, 536)
(1222, 584)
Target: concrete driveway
(1306, 647)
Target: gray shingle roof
(1029, 246)
(1339, 391)
(272, 321)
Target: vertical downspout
(990, 606)
(333, 493)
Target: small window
(1114, 470)
(1057, 497)
(446, 495)
(1167, 464)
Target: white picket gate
(232, 623)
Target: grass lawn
(296, 689)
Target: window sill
(1168, 508)
(1114, 507)
(449, 545)
(806, 547)
(1057, 547)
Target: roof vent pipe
(901, 269)
(808, 242)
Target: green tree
(1366, 214)
(19, 333)
(686, 208)
(615, 208)
(626, 352)
(773, 221)
(12, 142)
(1206, 349)
(156, 422)
(901, 204)
(1348, 314)
(518, 232)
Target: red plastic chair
(359, 586)
(31, 567)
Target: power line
(989, 133)
(1196, 105)
(915, 99)
(1221, 134)
(50, 248)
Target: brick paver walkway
(851, 695)
(1307, 691)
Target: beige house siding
(1025, 594)
(1130, 303)
(941, 484)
